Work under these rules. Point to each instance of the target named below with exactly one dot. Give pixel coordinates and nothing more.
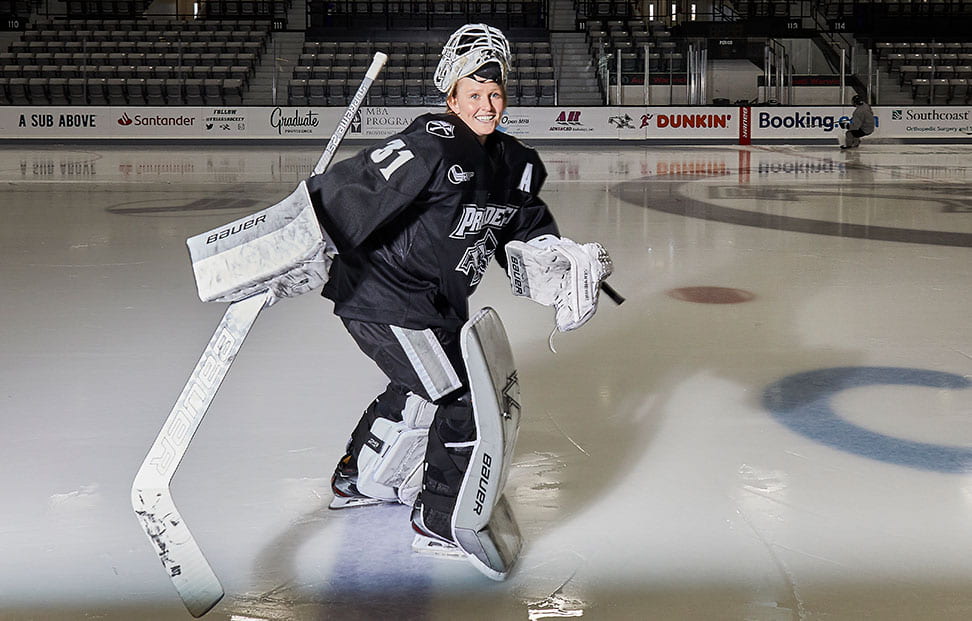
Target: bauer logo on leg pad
(483, 483)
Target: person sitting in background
(861, 123)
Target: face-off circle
(711, 295)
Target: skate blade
(427, 546)
(341, 502)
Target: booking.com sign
(797, 120)
(793, 122)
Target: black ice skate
(433, 533)
(345, 489)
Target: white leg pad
(482, 523)
(394, 451)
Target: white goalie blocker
(483, 524)
(282, 249)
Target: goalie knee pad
(394, 451)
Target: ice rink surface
(777, 425)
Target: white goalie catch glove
(556, 271)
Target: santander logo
(124, 120)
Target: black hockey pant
(854, 137)
(429, 364)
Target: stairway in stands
(576, 74)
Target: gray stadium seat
(394, 92)
(194, 92)
(232, 92)
(413, 93)
(175, 91)
(77, 91)
(959, 90)
(529, 92)
(547, 90)
(316, 92)
(213, 91)
(297, 92)
(135, 91)
(155, 92)
(337, 92)
(57, 89)
(97, 91)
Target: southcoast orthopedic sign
(630, 123)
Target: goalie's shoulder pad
(528, 171)
(439, 133)
(442, 141)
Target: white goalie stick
(193, 577)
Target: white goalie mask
(468, 49)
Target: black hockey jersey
(417, 218)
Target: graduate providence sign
(684, 123)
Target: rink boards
(725, 124)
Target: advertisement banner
(938, 122)
(561, 123)
(151, 123)
(745, 125)
(688, 122)
(55, 122)
(630, 123)
(925, 122)
(296, 122)
(783, 122)
(682, 123)
(379, 122)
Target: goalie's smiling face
(479, 104)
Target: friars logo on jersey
(442, 129)
(474, 219)
(476, 258)
(457, 175)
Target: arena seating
(327, 70)
(133, 61)
(938, 71)
(637, 40)
(329, 15)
